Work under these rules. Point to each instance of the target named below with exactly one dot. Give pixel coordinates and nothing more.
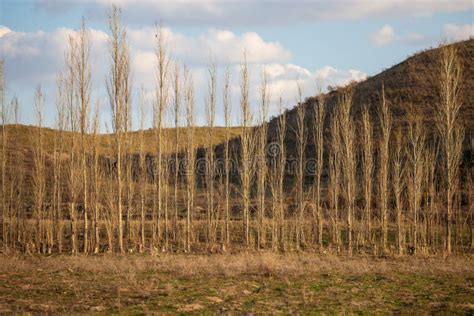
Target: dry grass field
(247, 282)
(357, 200)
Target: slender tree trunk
(368, 171)
(189, 101)
(262, 162)
(301, 137)
(450, 128)
(319, 114)
(349, 161)
(335, 166)
(177, 100)
(227, 113)
(118, 87)
(245, 171)
(385, 125)
(210, 167)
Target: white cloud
(383, 36)
(454, 32)
(4, 30)
(37, 57)
(229, 12)
(284, 80)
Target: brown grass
(250, 282)
(263, 264)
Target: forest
(362, 169)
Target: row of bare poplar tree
(390, 191)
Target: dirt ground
(247, 282)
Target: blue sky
(336, 41)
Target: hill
(23, 138)
(410, 88)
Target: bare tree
(61, 103)
(72, 126)
(262, 160)
(301, 139)
(431, 200)
(277, 151)
(368, 169)
(39, 176)
(176, 107)
(82, 72)
(245, 157)
(210, 168)
(384, 145)
(190, 155)
(159, 110)
(17, 174)
(142, 172)
(335, 176)
(398, 185)
(319, 114)
(450, 128)
(96, 179)
(347, 127)
(227, 112)
(415, 149)
(118, 86)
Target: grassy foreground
(257, 282)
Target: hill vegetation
(375, 167)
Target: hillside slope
(410, 87)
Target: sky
(311, 43)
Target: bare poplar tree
(319, 114)
(398, 185)
(190, 155)
(431, 207)
(128, 144)
(72, 118)
(385, 127)
(61, 103)
(262, 160)
(210, 155)
(347, 127)
(176, 108)
(335, 176)
(17, 172)
(278, 180)
(301, 139)
(39, 176)
(159, 110)
(96, 178)
(368, 169)
(142, 172)
(245, 157)
(227, 112)
(415, 149)
(119, 96)
(82, 72)
(450, 128)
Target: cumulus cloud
(383, 36)
(37, 57)
(284, 80)
(454, 32)
(387, 35)
(227, 12)
(4, 30)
